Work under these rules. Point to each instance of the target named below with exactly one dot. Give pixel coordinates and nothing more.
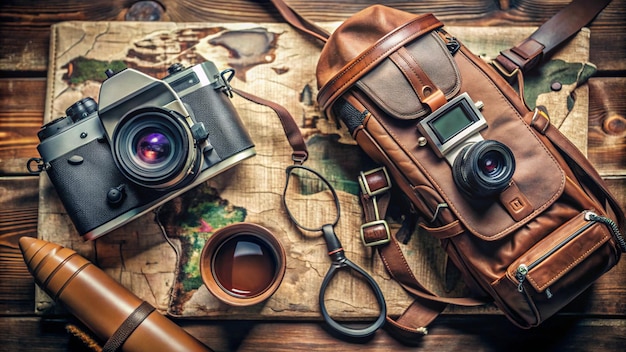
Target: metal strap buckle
(365, 186)
(533, 122)
(376, 223)
(503, 71)
(381, 224)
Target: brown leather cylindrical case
(100, 302)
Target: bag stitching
(577, 261)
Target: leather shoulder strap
(299, 22)
(567, 22)
(292, 131)
(413, 322)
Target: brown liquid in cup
(244, 265)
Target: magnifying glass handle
(340, 262)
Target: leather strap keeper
(524, 55)
(375, 233)
(374, 182)
(540, 120)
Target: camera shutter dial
(81, 109)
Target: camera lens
(154, 148)
(483, 169)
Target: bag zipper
(523, 269)
(452, 44)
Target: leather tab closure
(515, 202)
(427, 92)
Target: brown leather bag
(406, 90)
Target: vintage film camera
(481, 168)
(144, 143)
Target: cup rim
(215, 242)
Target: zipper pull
(611, 225)
(590, 216)
(520, 275)
(452, 44)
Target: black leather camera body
(144, 143)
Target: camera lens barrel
(153, 148)
(484, 169)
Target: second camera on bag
(481, 168)
(145, 142)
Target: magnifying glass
(308, 192)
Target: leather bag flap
(362, 43)
(388, 87)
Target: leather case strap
(567, 22)
(427, 305)
(363, 63)
(123, 332)
(299, 22)
(292, 131)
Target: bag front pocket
(557, 269)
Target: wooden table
(24, 42)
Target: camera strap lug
(40, 166)
(225, 81)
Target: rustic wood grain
(451, 333)
(24, 43)
(20, 119)
(607, 126)
(31, 21)
(18, 217)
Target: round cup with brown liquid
(242, 264)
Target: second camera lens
(484, 169)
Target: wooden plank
(25, 35)
(19, 197)
(454, 333)
(607, 126)
(21, 116)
